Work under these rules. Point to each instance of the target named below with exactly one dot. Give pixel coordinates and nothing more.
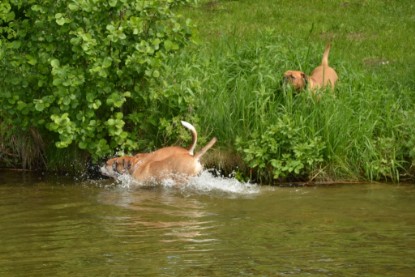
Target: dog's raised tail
(325, 60)
(194, 136)
(206, 148)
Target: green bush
(90, 73)
(282, 150)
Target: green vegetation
(82, 73)
(229, 85)
(365, 131)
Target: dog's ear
(287, 75)
(290, 77)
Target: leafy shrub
(283, 150)
(89, 72)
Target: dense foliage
(362, 130)
(282, 150)
(90, 73)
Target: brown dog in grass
(321, 77)
(168, 163)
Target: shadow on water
(56, 226)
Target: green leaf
(39, 105)
(61, 21)
(82, 145)
(113, 3)
(31, 60)
(73, 7)
(156, 74)
(110, 27)
(54, 63)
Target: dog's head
(117, 166)
(297, 79)
(121, 165)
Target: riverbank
(365, 131)
(229, 84)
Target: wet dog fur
(173, 162)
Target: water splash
(205, 183)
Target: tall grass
(365, 125)
(22, 148)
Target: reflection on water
(172, 217)
(210, 227)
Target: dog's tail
(194, 136)
(206, 148)
(325, 60)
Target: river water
(57, 226)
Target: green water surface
(61, 227)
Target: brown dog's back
(323, 75)
(173, 162)
(177, 165)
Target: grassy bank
(229, 85)
(365, 131)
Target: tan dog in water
(168, 163)
(321, 77)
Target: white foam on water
(205, 183)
